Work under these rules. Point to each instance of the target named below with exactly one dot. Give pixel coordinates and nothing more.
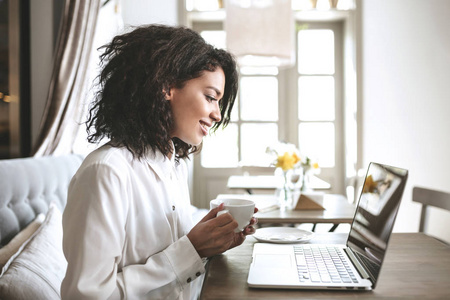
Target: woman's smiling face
(195, 106)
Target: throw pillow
(37, 271)
(19, 241)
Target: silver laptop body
(355, 265)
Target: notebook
(355, 265)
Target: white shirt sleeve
(95, 224)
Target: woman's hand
(239, 237)
(215, 234)
(249, 229)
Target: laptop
(355, 265)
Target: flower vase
(306, 182)
(285, 194)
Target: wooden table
(337, 210)
(417, 266)
(268, 182)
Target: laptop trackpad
(272, 260)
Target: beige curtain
(67, 86)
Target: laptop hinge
(356, 263)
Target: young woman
(128, 231)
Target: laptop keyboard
(323, 264)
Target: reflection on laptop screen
(378, 205)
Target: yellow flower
(287, 161)
(296, 157)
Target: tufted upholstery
(29, 185)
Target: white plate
(282, 235)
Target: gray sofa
(33, 194)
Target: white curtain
(67, 84)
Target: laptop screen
(375, 215)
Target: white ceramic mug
(241, 210)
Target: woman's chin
(198, 144)
(193, 142)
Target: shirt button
(198, 274)
(173, 207)
(189, 280)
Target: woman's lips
(204, 128)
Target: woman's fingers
(212, 213)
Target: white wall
(405, 89)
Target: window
(317, 94)
(241, 143)
(257, 111)
(302, 105)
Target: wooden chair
(430, 197)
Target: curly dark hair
(130, 107)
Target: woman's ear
(168, 94)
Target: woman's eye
(210, 98)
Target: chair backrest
(429, 197)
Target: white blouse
(125, 226)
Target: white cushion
(16, 245)
(37, 271)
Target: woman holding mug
(128, 231)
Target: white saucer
(282, 235)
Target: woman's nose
(215, 113)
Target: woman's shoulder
(109, 156)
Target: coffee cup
(241, 210)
